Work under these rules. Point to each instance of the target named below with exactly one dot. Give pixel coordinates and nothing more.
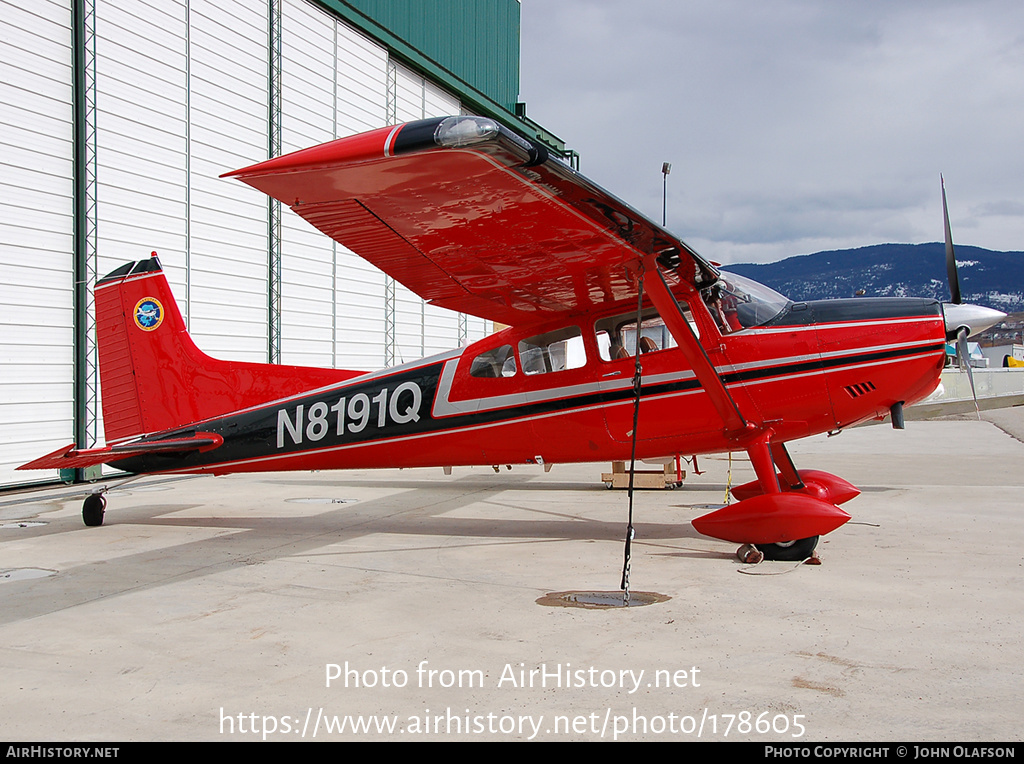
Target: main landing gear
(781, 513)
(789, 551)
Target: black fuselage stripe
(823, 364)
(237, 452)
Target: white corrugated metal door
(36, 228)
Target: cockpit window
(500, 362)
(554, 351)
(617, 335)
(738, 303)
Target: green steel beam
(368, 16)
(275, 130)
(80, 304)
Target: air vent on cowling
(859, 389)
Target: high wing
(475, 219)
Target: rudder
(153, 377)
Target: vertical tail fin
(152, 375)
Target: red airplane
(473, 218)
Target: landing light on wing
(464, 131)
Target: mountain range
(990, 278)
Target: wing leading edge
(473, 218)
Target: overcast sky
(792, 126)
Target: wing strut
(774, 515)
(672, 315)
(753, 437)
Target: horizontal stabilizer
(69, 457)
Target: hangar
(119, 117)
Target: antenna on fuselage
(666, 168)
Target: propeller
(951, 274)
(962, 320)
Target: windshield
(738, 303)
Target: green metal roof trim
(476, 40)
(470, 46)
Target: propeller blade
(951, 274)
(964, 358)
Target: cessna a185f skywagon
(473, 218)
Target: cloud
(790, 122)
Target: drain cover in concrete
(600, 600)
(23, 574)
(320, 500)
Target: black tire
(792, 551)
(93, 509)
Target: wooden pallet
(667, 477)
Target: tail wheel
(789, 551)
(93, 509)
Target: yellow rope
(728, 482)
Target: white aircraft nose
(976, 318)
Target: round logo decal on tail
(149, 314)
